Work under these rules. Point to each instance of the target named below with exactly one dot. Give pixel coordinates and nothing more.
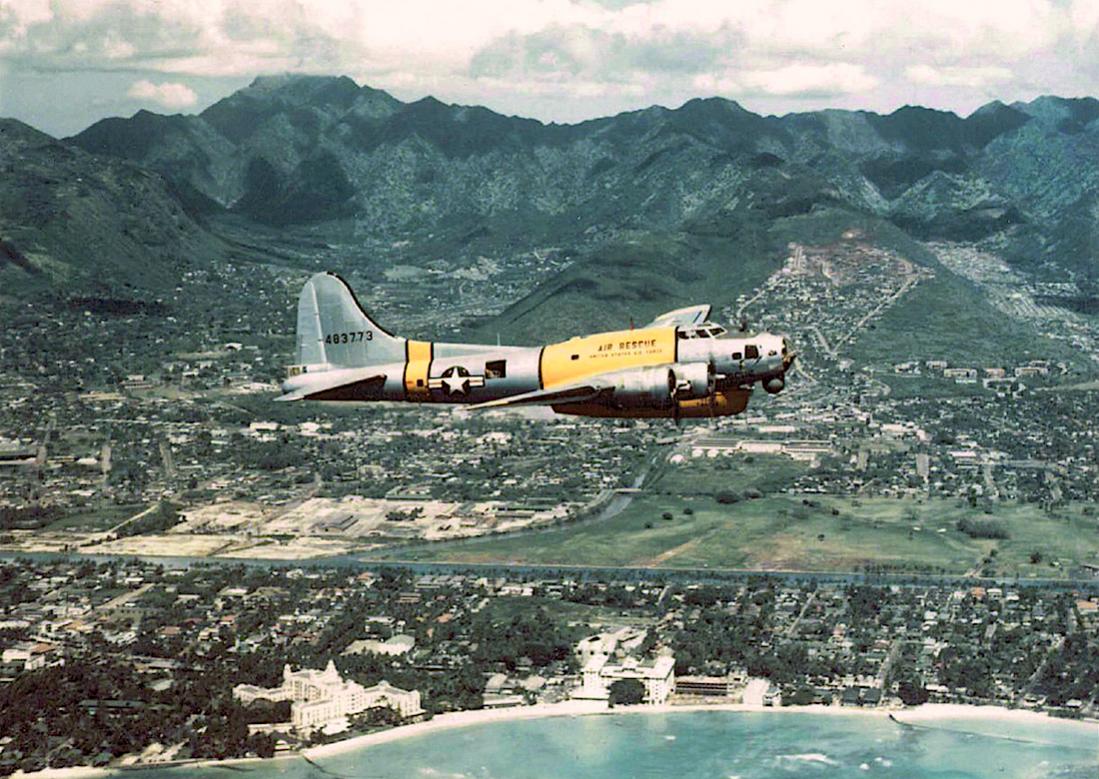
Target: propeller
(712, 397)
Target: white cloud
(821, 80)
(956, 76)
(797, 50)
(167, 94)
(21, 14)
(204, 36)
(834, 78)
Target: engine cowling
(693, 380)
(645, 388)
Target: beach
(924, 714)
(987, 721)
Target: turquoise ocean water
(721, 745)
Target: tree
(911, 694)
(627, 692)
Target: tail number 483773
(349, 338)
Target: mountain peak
(306, 89)
(989, 108)
(1067, 114)
(276, 81)
(16, 134)
(713, 105)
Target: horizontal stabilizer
(338, 385)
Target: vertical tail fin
(335, 332)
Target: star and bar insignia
(456, 380)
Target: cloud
(956, 76)
(223, 37)
(797, 51)
(820, 80)
(837, 78)
(579, 50)
(167, 94)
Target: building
(961, 374)
(656, 674)
(30, 656)
(319, 698)
(399, 644)
(599, 645)
(706, 686)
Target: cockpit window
(751, 352)
(704, 330)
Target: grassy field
(678, 524)
(96, 519)
(903, 387)
(562, 612)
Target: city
(954, 503)
(177, 664)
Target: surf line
(320, 767)
(959, 731)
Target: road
(1034, 677)
(593, 572)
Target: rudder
(334, 331)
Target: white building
(319, 698)
(399, 644)
(657, 675)
(599, 645)
(31, 655)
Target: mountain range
(301, 150)
(660, 206)
(71, 221)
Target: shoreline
(925, 714)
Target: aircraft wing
(682, 317)
(588, 389)
(339, 385)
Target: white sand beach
(927, 714)
(932, 712)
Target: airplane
(678, 366)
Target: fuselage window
(496, 369)
(737, 356)
(751, 352)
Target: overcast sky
(66, 63)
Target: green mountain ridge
(662, 207)
(77, 223)
(303, 150)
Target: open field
(505, 608)
(708, 477)
(903, 387)
(96, 519)
(677, 524)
